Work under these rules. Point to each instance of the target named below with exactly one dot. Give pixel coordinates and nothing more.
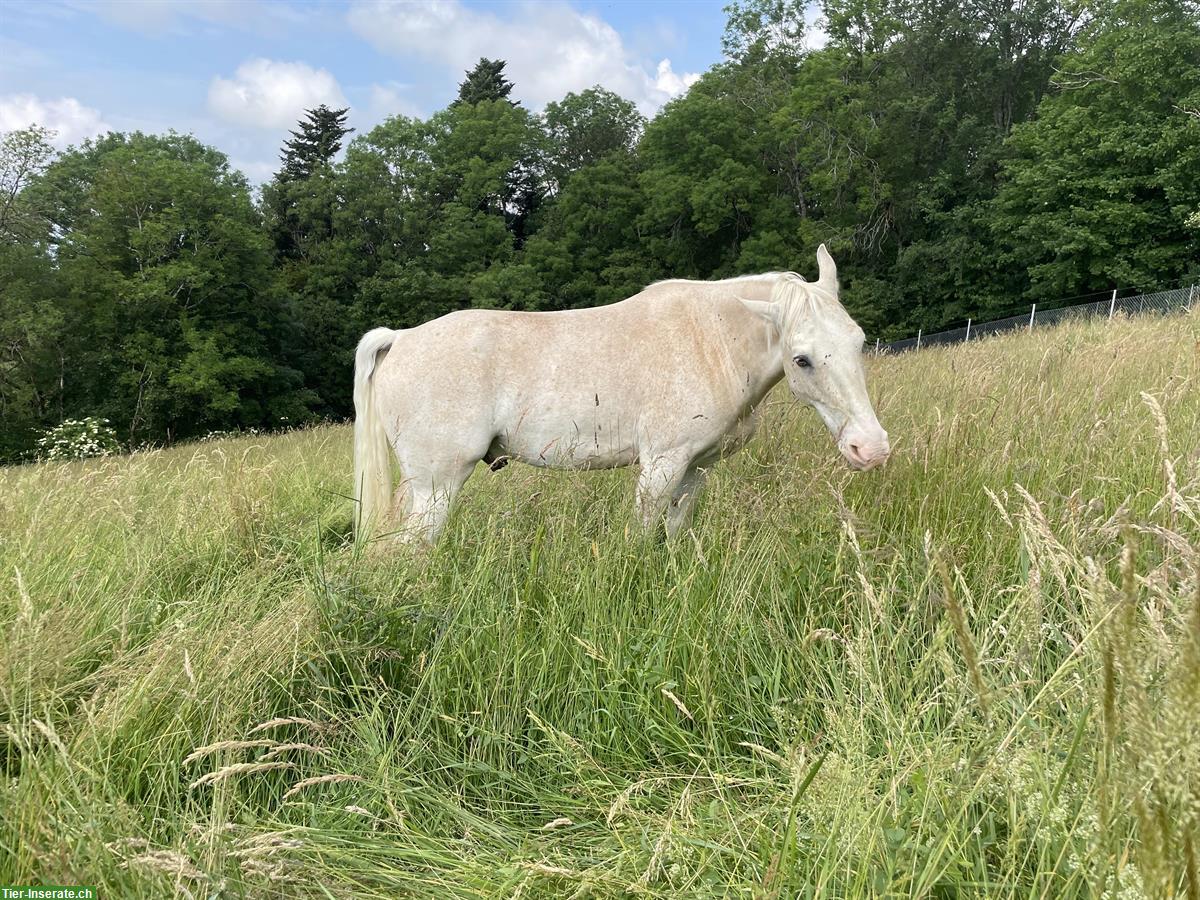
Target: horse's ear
(763, 309)
(827, 267)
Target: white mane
(798, 296)
(762, 276)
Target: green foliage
(1100, 185)
(167, 320)
(31, 333)
(24, 155)
(317, 262)
(702, 178)
(30, 323)
(584, 128)
(758, 30)
(587, 249)
(299, 200)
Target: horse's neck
(753, 345)
(767, 372)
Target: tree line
(958, 159)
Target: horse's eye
(802, 361)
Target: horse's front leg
(657, 486)
(683, 500)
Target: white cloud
(266, 93)
(257, 171)
(671, 83)
(67, 117)
(550, 48)
(392, 99)
(155, 18)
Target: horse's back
(617, 336)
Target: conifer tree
(485, 82)
(314, 145)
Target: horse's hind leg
(430, 493)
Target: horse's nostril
(854, 449)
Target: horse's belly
(580, 442)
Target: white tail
(372, 462)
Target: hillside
(975, 672)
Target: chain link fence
(1162, 302)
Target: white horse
(669, 379)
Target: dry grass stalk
(52, 736)
(958, 621)
(590, 649)
(824, 634)
(129, 842)
(285, 748)
(291, 720)
(678, 704)
(860, 567)
(166, 862)
(224, 745)
(239, 769)
(1110, 696)
(999, 505)
(272, 870)
(1190, 868)
(621, 802)
(1171, 499)
(266, 844)
(25, 612)
(269, 839)
(208, 832)
(544, 869)
(656, 856)
(320, 779)
(566, 742)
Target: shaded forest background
(960, 159)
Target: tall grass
(974, 673)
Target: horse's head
(820, 350)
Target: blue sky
(237, 73)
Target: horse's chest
(726, 436)
(742, 431)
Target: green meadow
(973, 673)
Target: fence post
(1032, 311)
(918, 338)
(967, 339)
(876, 346)
(1112, 304)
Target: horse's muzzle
(864, 455)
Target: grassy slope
(975, 673)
